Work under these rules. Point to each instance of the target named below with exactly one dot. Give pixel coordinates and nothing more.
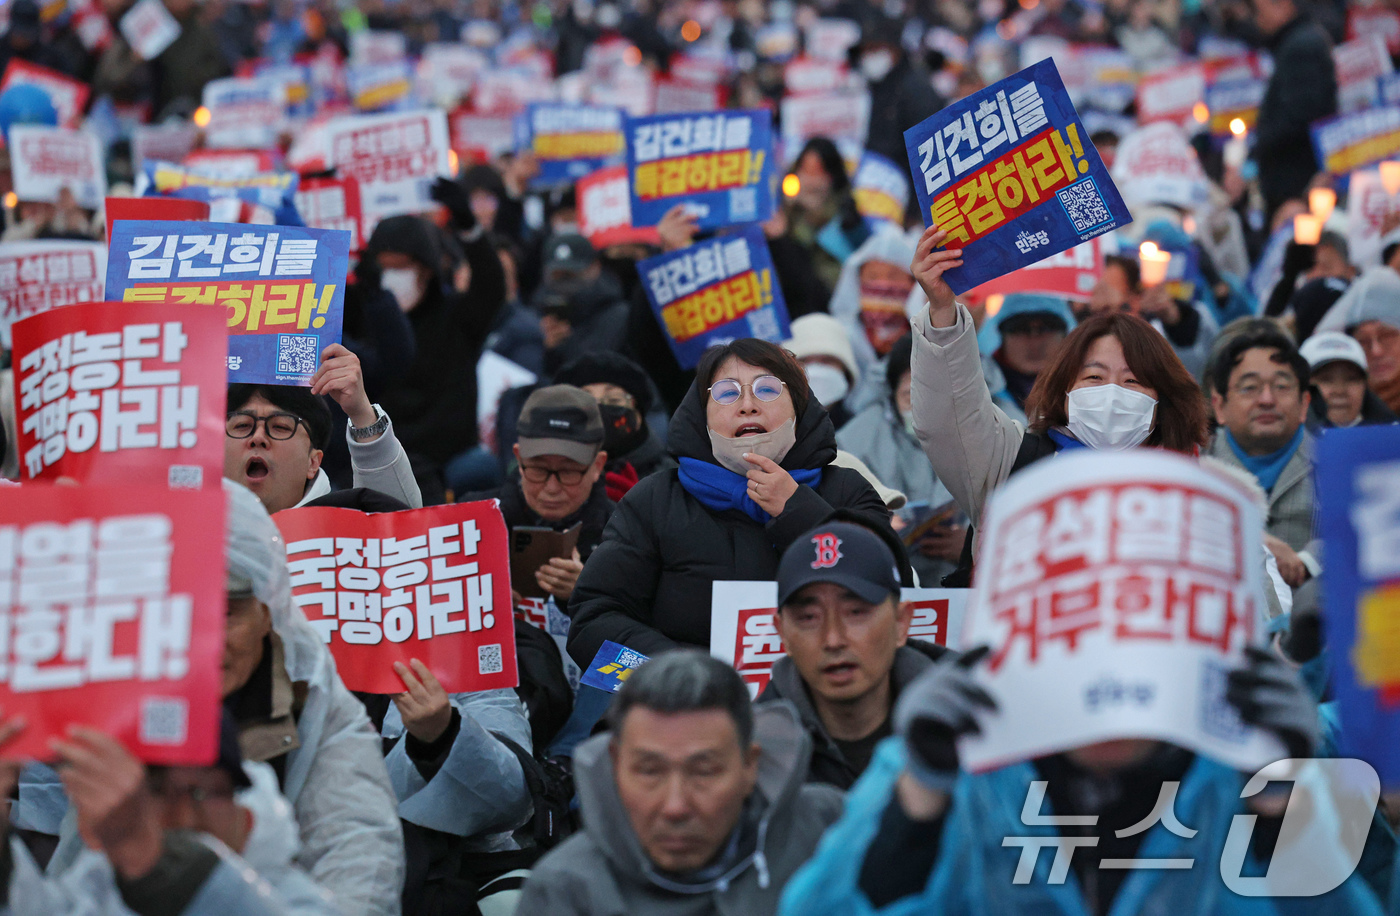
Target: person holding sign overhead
(1115, 384)
(755, 451)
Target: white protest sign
(1156, 165)
(509, 91)
(495, 375)
(839, 116)
(43, 275)
(149, 28)
(1360, 63)
(48, 159)
(1368, 205)
(165, 142)
(244, 113)
(1116, 592)
(829, 39)
(447, 72)
(370, 47)
(742, 632)
(394, 157)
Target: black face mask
(623, 429)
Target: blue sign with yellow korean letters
(611, 667)
(1358, 484)
(1010, 174)
(569, 141)
(715, 291)
(283, 287)
(719, 164)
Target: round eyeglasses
(727, 390)
(279, 426)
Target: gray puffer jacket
(603, 871)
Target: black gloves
(1271, 695)
(939, 706)
(455, 198)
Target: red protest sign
(333, 203)
(605, 211)
(122, 393)
(385, 587)
(69, 96)
(155, 208)
(112, 615)
(1071, 274)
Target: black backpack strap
(1034, 446)
(550, 790)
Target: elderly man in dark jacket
(1303, 89)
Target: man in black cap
(582, 306)
(624, 394)
(846, 635)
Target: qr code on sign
(743, 204)
(488, 659)
(164, 720)
(185, 477)
(296, 354)
(763, 324)
(1084, 205)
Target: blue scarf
(1266, 468)
(719, 488)
(1064, 442)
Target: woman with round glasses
(755, 451)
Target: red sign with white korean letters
(431, 584)
(112, 615)
(122, 393)
(1116, 592)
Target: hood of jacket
(887, 244)
(688, 435)
(784, 755)
(410, 235)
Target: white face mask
(1110, 417)
(829, 384)
(876, 65)
(404, 285)
(773, 445)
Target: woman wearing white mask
(755, 451)
(1115, 384)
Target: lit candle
(1237, 147)
(1390, 177)
(1154, 262)
(1321, 202)
(1307, 229)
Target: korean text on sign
(1352, 141)
(722, 287)
(432, 584)
(283, 287)
(612, 666)
(43, 275)
(743, 632)
(1011, 164)
(111, 393)
(1359, 490)
(1120, 594)
(111, 615)
(719, 165)
(394, 157)
(569, 141)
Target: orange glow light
(201, 117)
(691, 30)
(791, 185)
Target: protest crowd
(764, 457)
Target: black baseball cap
(569, 251)
(560, 420)
(844, 554)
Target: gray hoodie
(603, 871)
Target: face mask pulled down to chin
(773, 445)
(1111, 417)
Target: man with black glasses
(276, 436)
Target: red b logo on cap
(828, 551)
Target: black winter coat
(899, 101)
(594, 513)
(1302, 89)
(648, 585)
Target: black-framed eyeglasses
(280, 426)
(727, 390)
(568, 477)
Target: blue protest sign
(1351, 141)
(1358, 484)
(1010, 174)
(611, 667)
(720, 165)
(881, 190)
(569, 141)
(283, 286)
(715, 291)
(274, 190)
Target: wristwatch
(372, 431)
